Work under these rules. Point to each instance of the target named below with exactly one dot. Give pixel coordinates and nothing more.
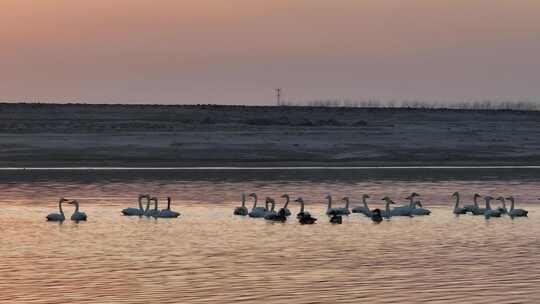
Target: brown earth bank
(34, 135)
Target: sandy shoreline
(217, 136)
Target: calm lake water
(209, 255)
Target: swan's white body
(419, 211)
(516, 212)
(242, 210)
(285, 210)
(256, 212)
(329, 209)
(363, 209)
(270, 212)
(387, 213)
(304, 217)
(168, 213)
(489, 212)
(475, 208)
(57, 217)
(275, 216)
(136, 211)
(152, 212)
(344, 210)
(502, 209)
(77, 215)
(405, 210)
(457, 209)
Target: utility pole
(278, 96)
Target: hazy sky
(237, 51)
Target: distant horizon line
(226, 168)
(486, 105)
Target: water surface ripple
(209, 255)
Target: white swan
(363, 209)
(77, 215)
(303, 216)
(242, 210)
(345, 210)
(419, 211)
(285, 210)
(152, 212)
(474, 207)
(502, 209)
(136, 211)
(168, 213)
(516, 212)
(387, 213)
(406, 210)
(256, 212)
(337, 211)
(270, 211)
(457, 209)
(489, 212)
(57, 217)
(275, 216)
(329, 209)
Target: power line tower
(278, 96)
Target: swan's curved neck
(457, 202)
(411, 202)
(60, 207)
(475, 201)
(347, 204)
(273, 206)
(243, 200)
(287, 199)
(512, 204)
(301, 207)
(329, 202)
(140, 203)
(488, 205)
(76, 207)
(254, 202)
(155, 204)
(147, 205)
(365, 202)
(168, 204)
(388, 215)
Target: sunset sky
(237, 51)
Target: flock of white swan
(412, 208)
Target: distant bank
(45, 135)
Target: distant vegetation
(416, 104)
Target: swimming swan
(457, 209)
(285, 211)
(516, 212)
(77, 215)
(303, 216)
(502, 209)
(345, 211)
(57, 217)
(489, 212)
(256, 212)
(475, 208)
(242, 210)
(168, 213)
(363, 209)
(136, 211)
(376, 216)
(275, 216)
(387, 213)
(406, 210)
(419, 211)
(152, 212)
